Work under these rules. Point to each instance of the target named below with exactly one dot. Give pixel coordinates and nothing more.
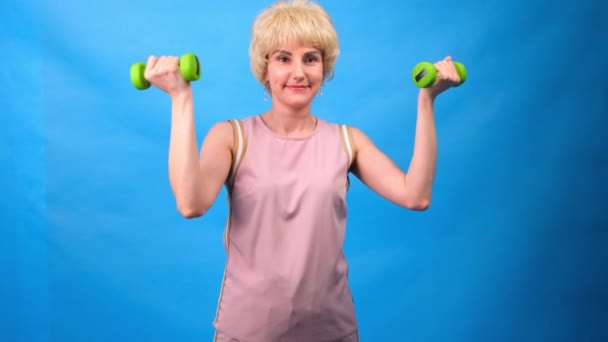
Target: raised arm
(196, 179)
(375, 169)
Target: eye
(283, 59)
(311, 59)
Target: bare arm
(196, 180)
(375, 169)
(413, 189)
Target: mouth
(296, 87)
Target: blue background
(513, 247)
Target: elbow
(418, 204)
(191, 211)
(191, 214)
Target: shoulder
(229, 127)
(352, 134)
(221, 133)
(353, 139)
(358, 135)
(359, 140)
(228, 132)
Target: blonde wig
(298, 21)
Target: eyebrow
(313, 52)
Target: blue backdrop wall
(513, 247)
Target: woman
(286, 174)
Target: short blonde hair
(299, 21)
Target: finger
(442, 69)
(152, 60)
(162, 60)
(172, 63)
(454, 77)
(168, 64)
(447, 70)
(150, 64)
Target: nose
(298, 70)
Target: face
(295, 75)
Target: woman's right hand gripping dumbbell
(164, 73)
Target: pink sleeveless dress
(286, 273)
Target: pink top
(286, 274)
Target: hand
(447, 77)
(164, 73)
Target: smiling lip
(297, 88)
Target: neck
(290, 122)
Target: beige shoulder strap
(349, 146)
(240, 147)
(347, 142)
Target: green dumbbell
(189, 67)
(425, 74)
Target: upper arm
(377, 171)
(215, 160)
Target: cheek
(319, 74)
(276, 76)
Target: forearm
(184, 171)
(421, 173)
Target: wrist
(181, 96)
(426, 96)
(182, 103)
